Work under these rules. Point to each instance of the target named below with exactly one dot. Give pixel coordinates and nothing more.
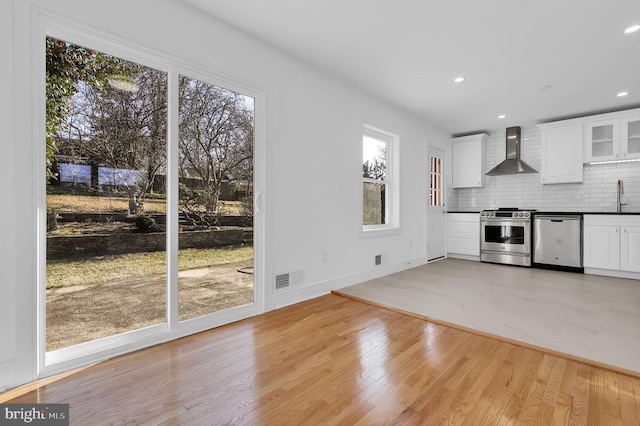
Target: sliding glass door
(215, 198)
(129, 200)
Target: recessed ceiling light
(621, 94)
(502, 116)
(632, 29)
(459, 79)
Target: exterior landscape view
(108, 209)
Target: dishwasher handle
(553, 218)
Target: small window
(378, 195)
(435, 181)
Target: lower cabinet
(463, 235)
(630, 248)
(612, 242)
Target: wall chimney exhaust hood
(513, 164)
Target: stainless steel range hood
(513, 164)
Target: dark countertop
(467, 211)
(587, 213)
(560, 213)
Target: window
(435, 181)
(379, 203)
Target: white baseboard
(297, 295)
(463, 256)
(612, 273)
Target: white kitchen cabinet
(463, 235)
(630, 137)
(601, 246)
(630, 248)
(612, 136)
(612, 244)
(602, 140)
(467, 153)
(561, 153)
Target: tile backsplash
(597, 193)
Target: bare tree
(216, 143)
(124, 128)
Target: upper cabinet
(561, 153)
(567, 144)
(613, 136)
(467, 153)
(602, 140)
(630, 137)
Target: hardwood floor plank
(611, 395)
(629, 409)
(469, 396)
(596, 397)
(551, 391)
(524, 377)
(533, 401)
(562, 411)
(580, 403)
(503, 395)
(564, 401)
(335, 361)
(438, 406)
(498, 382)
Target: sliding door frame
(46, 24)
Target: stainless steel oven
(505, 236)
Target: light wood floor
(333, 360)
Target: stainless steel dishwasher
(557, 242)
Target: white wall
(312, 191)
(7, 211)
(597, 193)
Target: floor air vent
(282, 281)
(378, 259)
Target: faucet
(619, 198)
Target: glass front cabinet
(630, 137)
(613, 139)
(603, 140)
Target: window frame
(391, 182)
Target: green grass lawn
(105, 269)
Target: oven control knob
(526, 214)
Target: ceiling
(532, 60)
